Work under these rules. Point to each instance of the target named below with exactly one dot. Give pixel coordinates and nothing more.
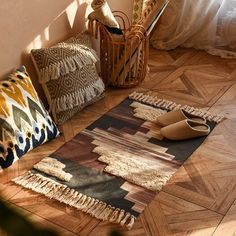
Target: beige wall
(122, 5)
(27, 24)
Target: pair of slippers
(181, 125)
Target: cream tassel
(165, 104)
(100, 209)
(120, 217)
(106, 213)
(91, 203)
(79, 97)
(96, 208)
(127, 215)
(114, 215)
(131, 223)
(80, 203)
(71, 197)
(86, 203)
(77, 199)
(63, 67)
(60, 192)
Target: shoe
(185, 129)
(174, 116)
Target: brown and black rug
(113, 168)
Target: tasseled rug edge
(71, 197)
(170, 105)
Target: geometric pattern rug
(114, 168)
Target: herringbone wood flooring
(200, 199)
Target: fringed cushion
(63, 58)
(24, 122)
(71, 92)
(68, 75)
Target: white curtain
(202, 24)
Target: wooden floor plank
(41, 222)
(170, 215)
(228, 224)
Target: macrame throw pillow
(68, 75)
(24, 122)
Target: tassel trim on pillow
(78, 98)
(67, 65)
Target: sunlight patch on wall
(85, 1)
(46, 33)
(88, 8)
(36, 43)
(71, 11)
(38, 40)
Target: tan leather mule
(176, 116)
(185, 129)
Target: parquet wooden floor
(200, 199)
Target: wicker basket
(123, 57)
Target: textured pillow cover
(24, 122)
(68, 75)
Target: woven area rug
(113, 168)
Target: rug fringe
(169, 105)
(71, 197)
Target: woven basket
(123, 57)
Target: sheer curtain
(202, 24)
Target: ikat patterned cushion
(24, 122)
(68, 76)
